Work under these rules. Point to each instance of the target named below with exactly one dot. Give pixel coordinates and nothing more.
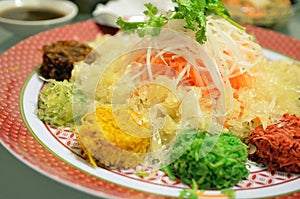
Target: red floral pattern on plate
(19, 61)
(257, 178)
(276, 41)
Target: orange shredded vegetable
(192, 77)
(177, 63)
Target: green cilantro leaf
(193, 12)
(151, 26)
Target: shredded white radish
(235, 51)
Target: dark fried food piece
(59, 57)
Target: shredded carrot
(278, 145)
(161, 64)
(240, 81)
(178, 63)
(226, 124)
(243, 79)
(256, 120)
(192, 77)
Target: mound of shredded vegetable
(235, 51)
(274, 92)
(168, 82)
(105, 144)
(55, 103)
(278, 146)
(211, 161)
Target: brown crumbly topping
(59, 57)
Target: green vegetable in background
(193, 12)
(221, 167)
(55, 103)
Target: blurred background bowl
(88, 6)
(35, 19)
(265, 13)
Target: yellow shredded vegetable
(106, 144)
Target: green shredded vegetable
(190, 193)
(229, 192)
(194, 193)
(55, 103)
(221, 167)
(193, 12)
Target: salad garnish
(194, 13)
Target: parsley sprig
(194, 13)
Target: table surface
(18, 180)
